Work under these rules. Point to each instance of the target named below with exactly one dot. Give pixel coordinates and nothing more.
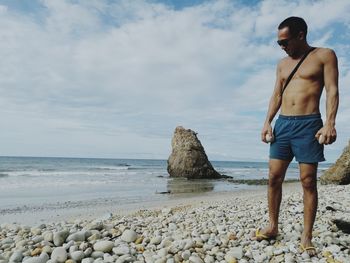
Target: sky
(114, 78)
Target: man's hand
(328, 133)
(267, 129)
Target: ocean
(34, 182)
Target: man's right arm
(274, 105)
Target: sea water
(55, 182)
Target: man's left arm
(332, 95)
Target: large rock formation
(339, 173)
(188, 158)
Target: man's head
(292, 34)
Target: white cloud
(114, 79)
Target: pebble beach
(204, 229)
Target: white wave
(109, 168)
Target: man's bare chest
(311, 69)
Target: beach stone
(172, 226)
(259, 258)
(229, 258)
(160, 260)
(334, 249)
(278, 251)
(35, 231)
(277, 259)
(21, 243)
(138, 240)
(104, 246)
(292, 248)
(59, 254)
(339, 173)
(205, 237)
(236, 252)
(97, 254)
(7, 254)
(47, 249)
(129, 236)
(140, 248)
(43, 258)
(87, 260)
(166, 242)
(186, 255)
(188, 158)
(269, 250)
(209, 259)
(7, 241)
(73, 249)
(83, 246)
(288, 258)
(298, 228)
(189, 244)
(48, 236)
(88, 252)
(42, 226)
(305, 256)
(195, 259)
(110, 259)
(67, 246)
(163, 252)
(95, 225)
(36, 252)
(78, 236)
(156, 240)
(125, 258)
(17, 256)
(342, 225)
(121, 250)
(77, 255)
(95, 236)
(60, 237)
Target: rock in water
(339, 173)
(188, 158)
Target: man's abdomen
(300, 101)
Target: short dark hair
(295, 25)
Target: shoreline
(99, 208)
(102, 207)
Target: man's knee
(308, 180)
(275, 178)
(277, 171)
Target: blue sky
(114, 78)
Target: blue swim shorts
(295, 137)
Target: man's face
(287, 42)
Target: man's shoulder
(325, 53)
(283, 61)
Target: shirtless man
(299, 125)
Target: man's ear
(301, 35)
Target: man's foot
(264, 234)
(307, 246)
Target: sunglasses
(283, 42)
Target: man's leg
(277, 172)
(308, 177)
